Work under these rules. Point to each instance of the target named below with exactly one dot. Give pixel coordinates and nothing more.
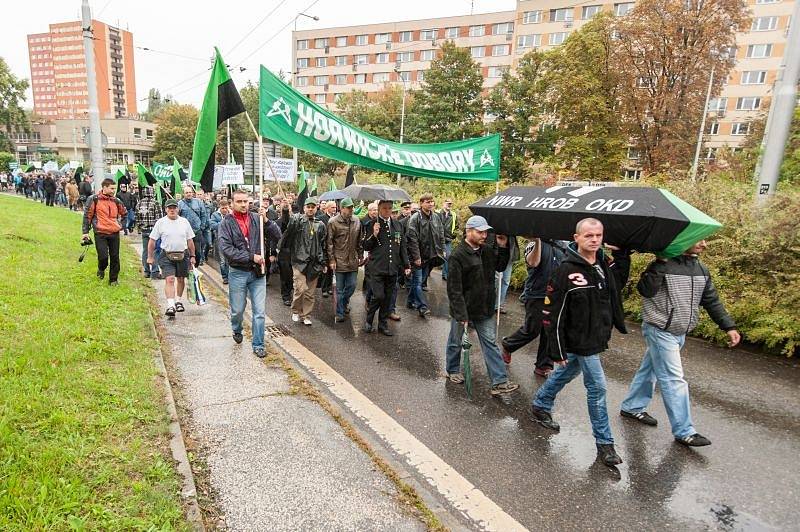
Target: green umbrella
(466, 345)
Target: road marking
(463, 495)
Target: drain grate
(275, 331)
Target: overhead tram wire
(173, 54)
(254, 28)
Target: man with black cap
(384, 239)
(471, 291)
(305, 238)
(177, 254)
(344, 255)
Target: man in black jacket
(581, 305)
(472, 294)
(240, 243)
(673, 290)
(426, 250)
(384, 239)
(129, 200)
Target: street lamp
(402, 109)
(693, 172)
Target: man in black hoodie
(581, 305)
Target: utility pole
(91, 80)
(403, 109)
(781, 112)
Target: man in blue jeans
(425, 237)
(240, 243)
(344, 244)
(148, 212)
(673, 290)
(472, 292)
(582, 302)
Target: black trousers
(107, 247)
(530, 329)
(49, 197)
(382, 288)
(287, 284)
(325, 282)
(199, 246)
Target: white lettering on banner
(609, 205)
(325, 129)
(551, 203)
(504, 201)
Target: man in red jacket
(104, 214)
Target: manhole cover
(275, 331)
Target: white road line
(466, 498)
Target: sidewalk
(276, 459)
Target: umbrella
(641, 218)
(466, 345)
(376, 192)
(333, 195)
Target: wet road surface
(747, 404)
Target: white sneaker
(295, 317)
(306, 321)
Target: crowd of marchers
(572, 293)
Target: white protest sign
(228, 174)
(285, 170)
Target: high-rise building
(58, 71)
(328, 62)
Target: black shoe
(238, 337)
(113, 283)
(544, 419)
(170, 312)
(259, 352)
(338, 319)
(347, 310)
(367, 328)
(101, 274)
(607, 454)
(224, 281)
(287, 302)
(424, 312)
(146, 275)
(424, 288)
(642, 417)
(385, 331)
(695, 440)
(410, 306)
(324, 294)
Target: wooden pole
(261, 151)
(261, 203)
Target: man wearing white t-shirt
(177, 254)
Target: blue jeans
(487, 335)
(662, 364)
(595, 381)
(224, 269)
(505, 282)
(416, 297)
(345, 286)
(147, 267)
(130, 221)
(240, 285)
(448, 249)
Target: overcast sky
(192, 28)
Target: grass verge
(83, 431)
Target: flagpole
(228, 153)
(261, 202)
(263, 155)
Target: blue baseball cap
(478, 223)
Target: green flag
(314, 186)
(146, 178)
(331, 184)
(162, 172)
(288, 117)
(302, 187)
(118, 175)
(221, 102)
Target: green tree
(175, 134)
(449, 106)
(378, 114)
(5, 158)
(583, 94)
(12, 94)
(790, 171)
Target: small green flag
(314, 186)
(146, 178)
(331, 184)
(118, 175)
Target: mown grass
(83, 432)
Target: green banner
(163, 172)
(290, 118)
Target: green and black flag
(178, 176)
(77, 175)
(302, 188)
(221, 102)
(146, 177)
(351, 177)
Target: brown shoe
(543, 372)
(394, 316)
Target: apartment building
(58, 71)
(332, 61)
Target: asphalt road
(746, 403)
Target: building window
(321, 43)
(761, 2)
(427, 35)
(531, 17)
(754, 77)
(528, 41)
(382, 58)
(589, 11)
(764, 24)
(360, 79)
(500, 49)
(360, 59)
(341, 41)
(320, 80)
(759, 51)
(451, 33)
(740, 128)
(404, 76)
(321, 61)
(301, 81)
(383, 38)
(137, 132)
(623, 9)
(380, 77)
(361, 40)
(319, 98)
(748, 103)
(497, 71)
(302, 62)
(717, 104)
(420, 75)
(711, 154)
(340, 79)
(633, 153)
(341, 60)
(302, 44)
(558, 38)
(503, 28)
(406, 36)
(477, 51)
(405, 57)
(561, 15)
(713, 128)
(477, 31)
(632, 174)
(427, 55)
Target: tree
(664, 51)
(5, 158)
(790, 170)
(378, 114)
(175, 133)
(449, 106)
(12, 94)
(583, 92)
(519, 111)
